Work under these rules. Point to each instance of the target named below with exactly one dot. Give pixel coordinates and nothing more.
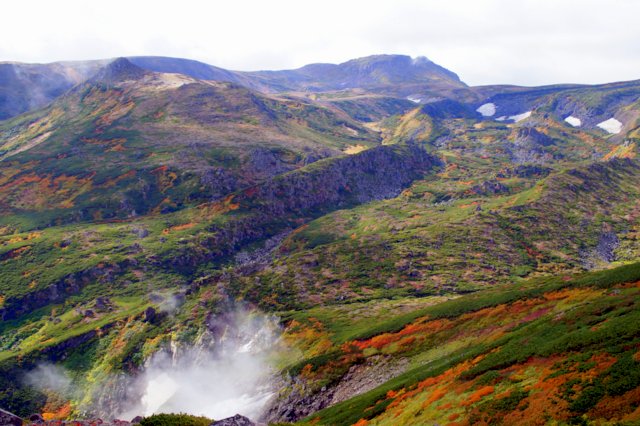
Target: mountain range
(433, 252)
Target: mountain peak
(118, 70)
(402, 66)
(380, 71)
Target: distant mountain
(617, 105)
(188, 67)
(402, 80)
(133, 125)
(118, 71)
(381, 73)
(25, 87)
(390, 74)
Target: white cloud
(491, 41)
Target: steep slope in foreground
(563, 349)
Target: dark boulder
(236, 420)
(36, 418)
(150, 314)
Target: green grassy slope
(554, 348)
(420, 241)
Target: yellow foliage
(626, 150)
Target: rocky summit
(373, 242)
(236, 420)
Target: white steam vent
(227, 371)
(231, 376)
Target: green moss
(175, 420)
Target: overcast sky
(528, 42)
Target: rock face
(118, 70)
(374, 174)
(281, 202)
(293, 198)
(529, 146)
(58, 291)
(8, 419)
(607, 244)
(236, 420)
(298, 400)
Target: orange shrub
(478, 395)
(436, 395)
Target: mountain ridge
(65, 74)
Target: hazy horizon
(485, 42)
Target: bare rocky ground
(302, 401)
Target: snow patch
(520, 117)
(414, 99)
(574, 121)
(501, 118)
(487, 110)
(611, 125)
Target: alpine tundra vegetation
(373, 242)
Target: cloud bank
(527, 42)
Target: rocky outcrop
(490, 187)
(607, 244)
(529, 146)
(298, 400)
(57, 292)
(374, 174)
(289, 200)
(236, 420)
(117, 71)
(604, 251)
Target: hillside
(128, 142)
(372, 242)
(563, 349)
